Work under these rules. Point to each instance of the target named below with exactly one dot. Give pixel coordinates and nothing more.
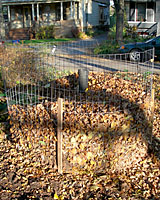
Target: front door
(27, 16)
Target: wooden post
(59, 133)
(52, 91)
(152, 110)
(152, 102)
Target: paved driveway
(72, 56)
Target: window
(12, 14)
(41, 12)
(127, 10)
(35, 13)
(132, 11)
(19, 14)
(65, 11)
(86, 12)
(26, 13)
(150, 12)
(5, 13)
(140, 11)
(101, 14)
(58, 11)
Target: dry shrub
(20, 66)
(2, 50)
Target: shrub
(20, 66)
(90, 32)
(82, 35)
(111, 46)
(75, 31)
(112, 33)
(107, 47)
(46, 32)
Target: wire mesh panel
(114, 103)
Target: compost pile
(107, 152)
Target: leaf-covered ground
(132, 170)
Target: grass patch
(48, 40)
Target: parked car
(136, 50)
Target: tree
(119, 8)
(1, 22)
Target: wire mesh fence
(105, 97)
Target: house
(20, 16)
(144, 14)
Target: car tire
(135, 55)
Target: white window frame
(136, 7)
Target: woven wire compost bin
(93, 120)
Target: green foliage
(82, 35)
(77, 33)
(129, 33)
(51, 40)
(90, 32)
(107, 47)
(112, 20)
(46, 32)
(112, 33)
(111, 46)
(146, 74)
(53, 73)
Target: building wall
(158, 16)
(93, 15)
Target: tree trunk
(2, 31)
(119, 7)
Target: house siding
(158, 16)
(93, 16)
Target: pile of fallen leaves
(109, 151)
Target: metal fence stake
(59, 133)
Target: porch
(21, 17)
(142, 14)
